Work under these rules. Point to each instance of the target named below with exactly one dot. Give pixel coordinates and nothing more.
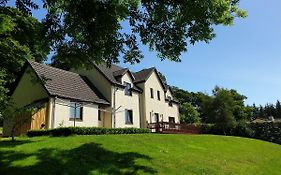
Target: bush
(66, 131)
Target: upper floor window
(128, 116)
(158, 95)
(151, 93)
(170, 101)
(75, 111)
(128, 89)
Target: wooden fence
(166, 127)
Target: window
(151, 93)
(158, 95)
(128, 116)
(128, 90)
(76, 111)
(171, 119)
(99, 115)
(156, 117)
(170, 101)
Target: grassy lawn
(139, 154)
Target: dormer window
(128, 89)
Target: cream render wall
(126, 102)
(98, 80)
(153, 105)
(28, 90)
(62, 113)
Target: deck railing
(166, 127)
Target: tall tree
(278, 109)
(84, 31)
(21, 38)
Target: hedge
(66, 131)
(268, 131)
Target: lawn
(139, 154)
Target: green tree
(189, 114)
(84, 31)
(278, 109)
(21, 38)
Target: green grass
(139, 154)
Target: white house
(112, 97)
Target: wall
(153, 105)
(98, 80)
(126, 102)
(29, 89)
(62, 113)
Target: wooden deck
(174, 128)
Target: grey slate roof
(143, 75)
(114, 71)
(67, 84)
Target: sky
(245, 56)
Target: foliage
(139, 154)
(66, 131)
(267, 111)
(225, 108)
(21, 39)
(189, 114)
(84, 31)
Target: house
(112, 97)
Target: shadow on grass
(10, 143)
(89, 158)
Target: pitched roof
(114, 71)
(143, 75)
(67, 84)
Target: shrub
(66, 131)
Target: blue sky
(245, 57)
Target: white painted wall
(62, 113)
(153, 105)
(126, 102)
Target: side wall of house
(98, 80)
(29, 89)
(125, 102)
(62, 115)
(153, 105)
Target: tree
(189, 114)
(21, 38)
(84, 31)
(278, 109)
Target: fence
(166, 127)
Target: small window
(171, 119)
(156, 117)
(158, 95)
(128, 116)
(151, 93)
(76, 111)
(170, 101)
(128, 90)
(99, 115)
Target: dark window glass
(76, 111)
(151, 93)
(128, 90)
(128, 116)
(158, 95)
(99, 115)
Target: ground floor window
(99, 115)
(171, 119)
(128, 116)
(75, 111)
(156, 117)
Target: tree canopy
(84, 31)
